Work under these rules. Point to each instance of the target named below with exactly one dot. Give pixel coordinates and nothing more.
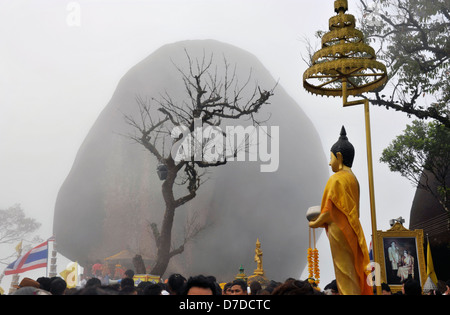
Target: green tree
(412, 37)
(422, 155)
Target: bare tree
(15, 227)
(213, 95)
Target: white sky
(56, 77)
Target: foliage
(412, 37)
(422, 155)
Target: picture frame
(400, 253)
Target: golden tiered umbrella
(346, 66)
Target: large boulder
(429, 215)
(112, 192)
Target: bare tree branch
(213, 94)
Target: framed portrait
(401, 256)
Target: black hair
(126, 282)
(129, 273)
(176, 283)
(240, 283)
(412, 287)
(332, 286)
(385, 287)
(93, 282)
(153, 289)
(45, 283)
(255, 288)
(295, 287)
(202, 282)
(58, 286)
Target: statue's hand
(313, 224)
(323, 219)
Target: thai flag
(35, 258)
(371, 251)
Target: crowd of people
(177, 284)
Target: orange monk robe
(347, 241)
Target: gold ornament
(313, 261)
(344, 60)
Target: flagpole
(48, 251)
(15, 277)
(53, 271)
(46, 267)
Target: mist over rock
(113, 192)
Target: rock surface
(113, 191)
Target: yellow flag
(19, 247)
(70, 275)
(430, 267)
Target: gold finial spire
(344, 57)
(340, 6)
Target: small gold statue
(340, 217)
(258, 259)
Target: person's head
(98, 290)
(44, 283)
(270, 287)
(411, 287)
(129, 274)
(296, 287)
(58, 286)
(385, 289)
(153, 289)
(141, 286)
(227, 288)
(176, 283)
(342, 152)
(128, 290)
(238, 287)
(93, 282)
(331, 288)
(441, 286)
(255, 287)
(214, 280)
(200, 285)
(28, 282)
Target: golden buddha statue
(258, 259)
(340, 217)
